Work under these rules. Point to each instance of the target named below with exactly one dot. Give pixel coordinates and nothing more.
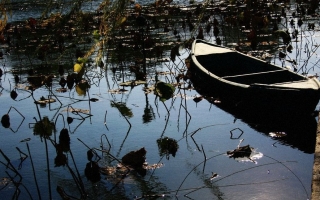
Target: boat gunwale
(223, 79)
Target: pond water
(120, 122)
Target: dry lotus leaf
(277, 134)
(77, 110)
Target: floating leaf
(153, 166)
(117, 91)
(164, 90)
(77, 110)
(132, 83)
(45, 101)
(243, 151)
(277, 134)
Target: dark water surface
(279, 167)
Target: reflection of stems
(16, 183)
(167, 119)
(185, 178)
(10, 166)
(20, 122)
(34, 174)
(92, 150)
(292, 173)
(46, 146)
(205, 159)
(76, 180)
(194, 132)
(55, 124)
(155, 167)
(236, 173)
(187, 121)
(195, 143)
(21, 157)
(105, 119)
(107, 141)
(119, 162)
(48, 167)
(122, 114)
(89, 105)
(36, 105)
(124, 140)
(80, 182)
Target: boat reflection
(297, 130)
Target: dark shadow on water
(300, 128)
(300, 132)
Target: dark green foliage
(164, 90)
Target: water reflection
(148, 114)
(300, 130)
(167, 146)
(44, 127)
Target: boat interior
(243, 69)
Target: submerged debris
(197, 99)
(244, 153)
(118, 91)
(77, 110)
(213, 176)
(44, 101)
(153, 166)
(133, 83)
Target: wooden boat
(240, 78)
